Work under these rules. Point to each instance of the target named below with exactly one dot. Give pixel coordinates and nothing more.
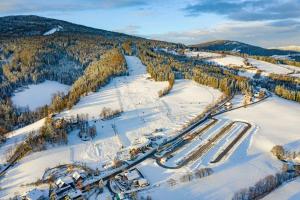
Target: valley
(92, 114)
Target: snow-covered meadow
(37, 95)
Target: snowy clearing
(229, 60)
(269, 67)
(38, 95)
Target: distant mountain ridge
(235, 46)
(290, 48)
(31, 25)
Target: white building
(132, 175)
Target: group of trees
(171, 81)
(55, 131)
(37, 140)
(158, 66)
(127, 47)
(108, 113)
(283, 154)
(87, 131)
(222, 80)
(287, 93)
(264, 186)
(282, 85)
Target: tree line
(161, 66)
(264, 186)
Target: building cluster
(127, 182)
(75, 185)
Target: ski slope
(53, 30)
(144, 111)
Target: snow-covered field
(274, 122)
(201, 54)
(269, 67)
(237, 61)
(229, 60)
(144, 111)
(38, 95)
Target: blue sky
(267, 23)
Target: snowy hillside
(144, 111)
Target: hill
(31, 25)
(235, 46)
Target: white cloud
(261, 33)
(130, 29)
